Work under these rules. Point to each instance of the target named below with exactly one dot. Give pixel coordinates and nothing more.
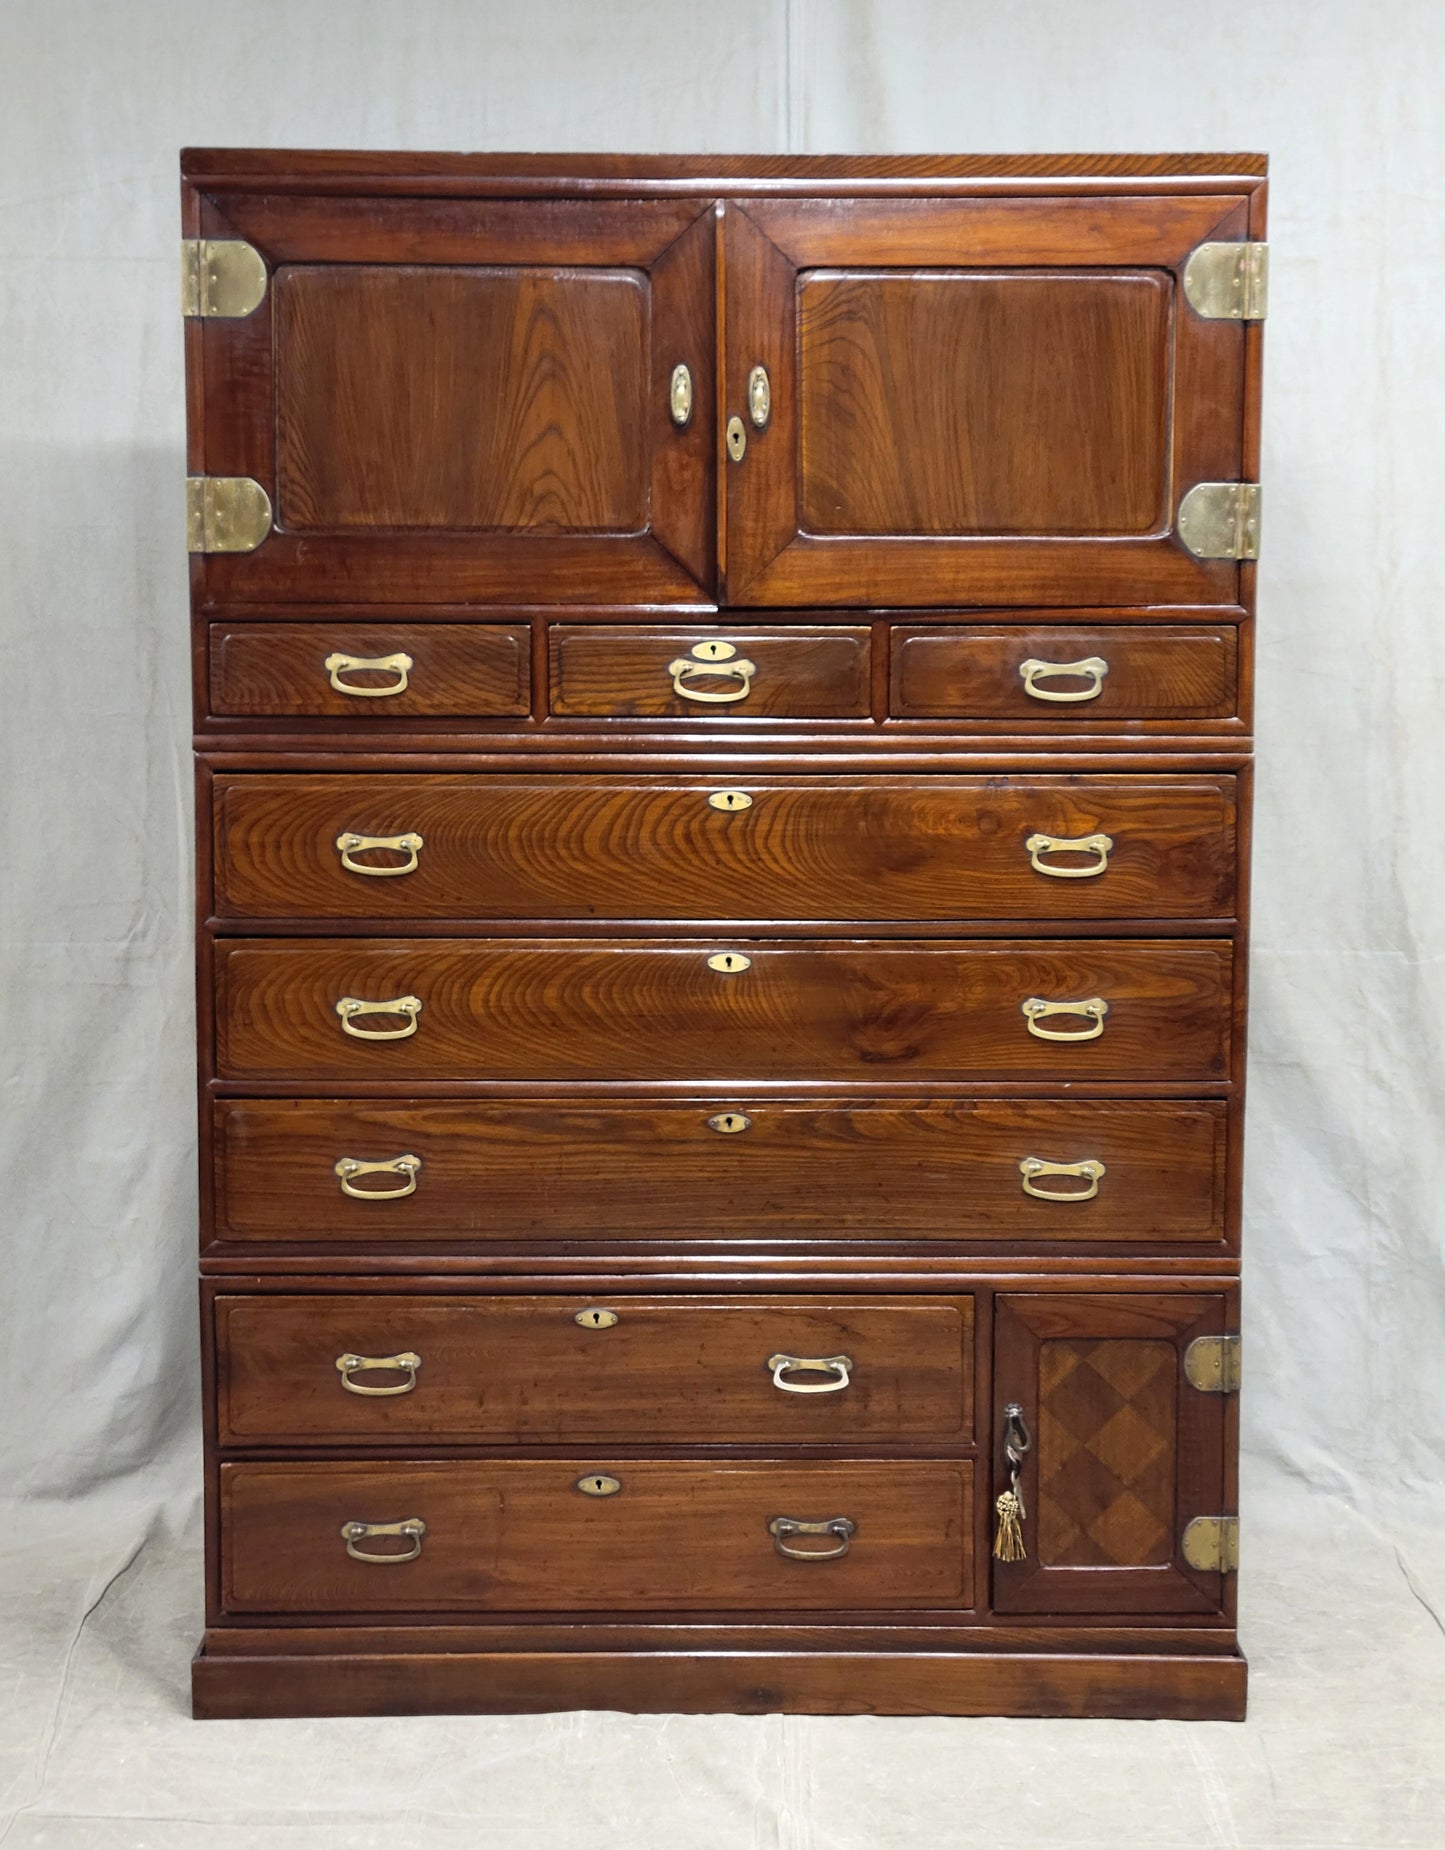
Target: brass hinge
(223, 278)
(1211, 1544)
(1220, 520)
(1211, 1364)
(226, 513)
(1228, 282)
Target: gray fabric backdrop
(1346, 1299)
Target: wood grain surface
(459, 670)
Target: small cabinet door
(974, 400)
(1125, 1452)
(465, 400)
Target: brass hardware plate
(1090, 1170)
(1228, 282)
(760, 397)
(1220, 520)
(350, 1167)
(594, 1318)
(1033, 671)
(729, 962)
(679, 396)
(226, 513)
(1211, 1364)
(713, 649)
(1092, 1008)
(840, 1527)
(354, 1532)
(737, 439)
(599, 1484)
(711, 661)
(350, 843)
(730, 800)
(1211, 1544)
(1097, 845)
(221, 278)
(348, 1366)
(398, 665)
(729, 1123)
(350, 1007)
(838, 1368)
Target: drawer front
(936, 848)
(553, 1370)
(504, 1009)
(641, 671)
(1118, 672)
(371, 671)
(518, 1535)
(751, 1169)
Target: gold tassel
(1008, 1541)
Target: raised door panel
(976, 400)
(455, 401)
(1125, 1451)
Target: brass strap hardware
(596, 1319)
(701, 663)
(1038, 845)
(1211, 1364)
(1220, 520)
(760, 397)
(599, 1484)
(355, 1532)
(349, 843)
(1008, 1507)
(1033, 671)
(1211, 1544)
(729, 962)
(1092, 1008)
(1032, 1167)
(730, 800)
(221, 278)
(399, 665)
(679, 396)
(1228, 282)
(350, 1167)
(349, 1366)
(226, 513)
(729, 1123)
(737, 439)
(350, 1007)
(781, 1527)
(838, 1367)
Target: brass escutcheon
(729, 963)
(729, 1123)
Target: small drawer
(1065, 674)
(371, 671)
(554, 1370)
(394, 1010)
(363, 1172)
(524, 1535)
(641, 671)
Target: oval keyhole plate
(730, 800)
(729, 962)
(713, 649)
(598, 1484)
(594, 1319)
(737, 438)
(729, 1123)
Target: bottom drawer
(518, 1535)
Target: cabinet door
(976, 400)
(464, 400)
(1125, 1451)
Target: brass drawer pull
(350, 1007)
(710, 661)
(1092, 1008)
(350, 1167)
(410, 845)
(349, 1366)
(760, 397)
(1038, 845)
(1032, 1167)
(679, 395)
(841, 1526)
(398, 665)
(354, 1532)
(837, 1366)
(1033, 671)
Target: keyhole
(596, 1319)
(729, 1121)
(729, 962)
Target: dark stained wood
(459, 670)
(606, 671)
(529, 1010)
(911, 848)
(518, 1535)
(524, 1370)
(632, 1169)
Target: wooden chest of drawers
(723, 782)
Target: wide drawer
(553, 1370)
(1065, 674)
(448, 847)
(371, 671)
(645, 671)
(508, 1009)
(361, 1171)
(518, 1535)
